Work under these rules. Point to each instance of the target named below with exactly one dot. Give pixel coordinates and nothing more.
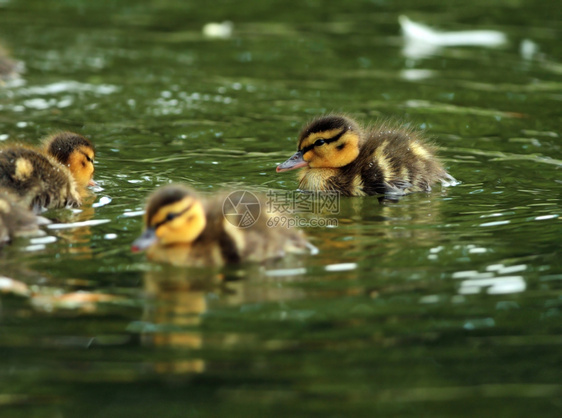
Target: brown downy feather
(38, 180)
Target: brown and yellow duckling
(336, 154)
(15, 219)
(184, 229)
(55, 176)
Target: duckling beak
(296, 161)
(147, 238)
(93, 183)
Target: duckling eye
(319, 142)
(171, 216)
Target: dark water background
(443, 304)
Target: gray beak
(296, 161)
(147, 238)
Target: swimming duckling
(336, 154)
(75, 152)
(14, 218)
(184, 229)
(53, 177)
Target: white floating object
(43, 240)
(218, 30)
(285, 272)
(341, 267)
(31, 248)
(93, 222)
(543, 217)
(495, 286)
(486, 224)
(419, 32)
(422, 41)
(102, 202)
(464, 274)
(133, 213)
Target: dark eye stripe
(87, 158)
(171, 216)
(326, 141)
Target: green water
(443, 304)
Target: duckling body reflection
(14, 218)
(336, 154)
(53, 177)
(184, 229)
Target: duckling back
(38, 180)
(255, 243)
(398, 161)
(14, 218)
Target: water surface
(441, 304)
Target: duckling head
(327, 142)
(75, 152)
(174, 216)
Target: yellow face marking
(24, 169)
(332, 154)
(176, 207)
(312, 138)
(180, 222)
(81, 165)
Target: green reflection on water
(446, 303)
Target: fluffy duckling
(336, 154)
(184, 229)
(75, 152)
(53, 177)
(14, 218)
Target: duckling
(184, 229)
(336, 154)
(53, 177)
(15, 219)
(75, 152)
